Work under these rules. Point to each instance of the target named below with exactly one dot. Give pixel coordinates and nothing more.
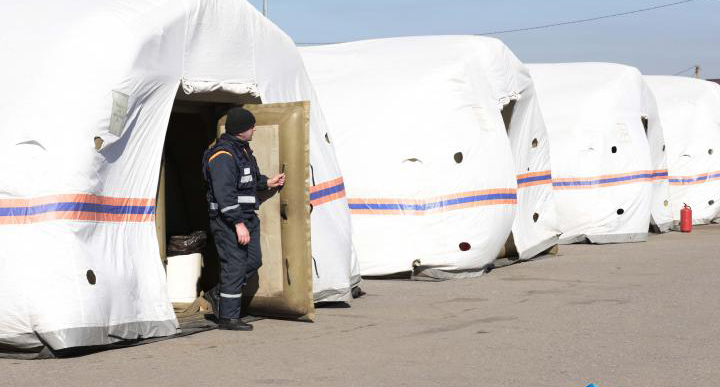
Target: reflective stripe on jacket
(233, 178)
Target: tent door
(509, 250)
(283, 286)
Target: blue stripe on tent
(603, 181)
(430, 206)
(77, 207)
(694, 179)
(534, 178)
(327, 191)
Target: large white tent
(431, 171)
(690, 115)
(606, 150)
(79, 258)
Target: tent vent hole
(464, 246)
(536, 216)
(710, 151)
(98, 143)
(663, 147)
(458, 157)
(327, 138)
(620, 211)
(711, 202)
(613, 149)
(91, 277)
(534, 143)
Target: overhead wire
(686, 70)
(586, 20)
(577, 21)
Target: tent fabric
(79, 263)
(535, 226)
(690, 114)
(428, 165)
(660, 210)
(606, 182)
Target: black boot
(213, 298)
(233, 324)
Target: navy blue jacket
(233, 178)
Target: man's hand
(242, 233)
(276, 181)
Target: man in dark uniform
(233, 178)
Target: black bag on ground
(187, 244)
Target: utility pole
(265, 7)
(697, 71)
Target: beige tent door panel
(283, 286)
(267, 141)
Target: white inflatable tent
(430, 168)
(79, 257)
(609, 171)
(690, 115)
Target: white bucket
(183, 273)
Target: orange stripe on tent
(695, 176)
(534, 183)
(679, 183)
(431, 200)
(533, 174)
(78, 216)
(329, 198)
(326, 197)
(615, 176)
(576, 187)
(326, 184)
(694, 179)
(434, 211)
(76, 198)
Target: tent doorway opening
(507, 113)
(509, 250)
(182, 204)
(283, 285)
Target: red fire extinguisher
(686, 219)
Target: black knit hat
(239, 120)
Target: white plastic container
(183, 273)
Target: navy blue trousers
(237, 262)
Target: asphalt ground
(643, 314)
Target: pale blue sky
(662, 41)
